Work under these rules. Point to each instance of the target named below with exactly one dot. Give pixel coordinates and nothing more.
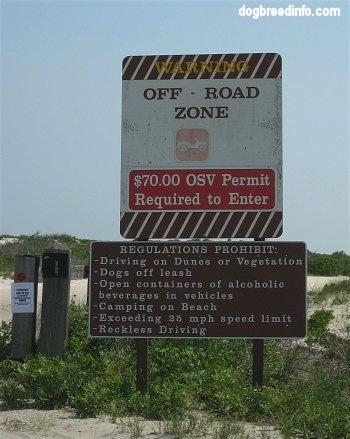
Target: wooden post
(258, 357)
(141, 359)
(55, 302)
(24, 324)
(141, 364)
(87, 276)
(258, 362)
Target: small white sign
(22, 297)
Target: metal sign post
(258, 361)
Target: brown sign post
(198, 290)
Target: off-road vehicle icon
(185, 146)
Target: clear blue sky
(61, 107)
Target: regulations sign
(198, 289)
(202, 146)
(22, 297)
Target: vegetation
(305, 394)
(333, 293)
(336, 264)
(36, 244)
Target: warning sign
(202, 134)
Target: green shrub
(336, 264)
(5, 340)
(36, 244)
(13, 387)
(95, 395)
(46, 381)
(168, 399)
(315, 406)
(6, 265)
(318, 324)
(13, 393)
(338, 292)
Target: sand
(62, 424)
